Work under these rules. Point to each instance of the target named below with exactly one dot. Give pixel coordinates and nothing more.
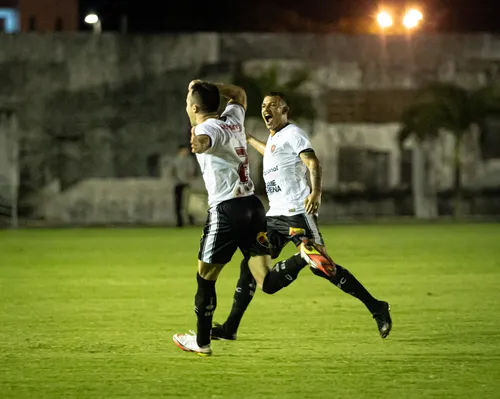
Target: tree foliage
(257, 86)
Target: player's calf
(271, 280)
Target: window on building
(490, 139)
(376, 169)
(406, 168)
(350, 167)
(59, 26)
(153, 165)
(32, 23)
(363, 168)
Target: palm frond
(257, 86)
(420, 120)
(404, 134)
(452, 101)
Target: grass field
(91, 313)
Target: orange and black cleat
(317, 258)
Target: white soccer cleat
(187, 342)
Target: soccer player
(236, 217)
(292, 215)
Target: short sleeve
(299, 142)
(236, 112)
(212, 133)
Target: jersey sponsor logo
(263, 240)
(272, 187)
(232, 128)
(273, 169)
(273, 147)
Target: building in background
(38, 15)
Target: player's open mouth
(268, 118)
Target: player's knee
(209, 271)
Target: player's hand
(312, 202)
(192, 83)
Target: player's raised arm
(233, 93)
(313, 201)
(260, 146)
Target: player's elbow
(201, 144)
(313, 164)
(241, 97)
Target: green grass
(91, 313)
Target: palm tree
(267, 81)
(449, 107)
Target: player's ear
(285, 109)
(195, 108)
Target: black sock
(349, 284)
(245, 289)
(205, 302)
(282, 274)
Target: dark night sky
(266, 15)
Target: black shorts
(236, 223)
(283, 229)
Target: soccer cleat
(187, 342)
(316, 258)
(383, 319)
(219, 333)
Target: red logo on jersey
(273, 147)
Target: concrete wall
(118, 201)
(92, 105)
(101, 106)
(9, 172)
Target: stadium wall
(112, 106)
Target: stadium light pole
(411, 21)
(93, 19)
(384, 21)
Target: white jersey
(285, 174)
(224, 165)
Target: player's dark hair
(278, 94)
(206, 96)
